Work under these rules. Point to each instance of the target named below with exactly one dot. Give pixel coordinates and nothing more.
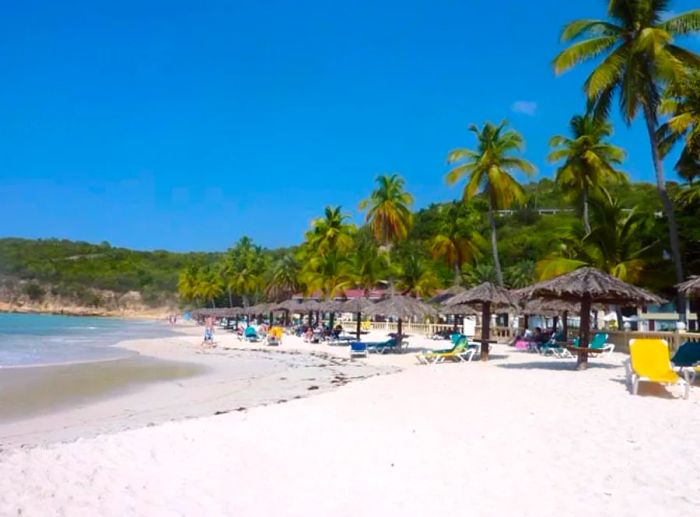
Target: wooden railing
(502, 334)
(621, 339)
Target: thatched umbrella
(691, 288)
(401, 307)
(445, 295)
(310, 306)
(586, 286)
(358, 306)
(486, 295)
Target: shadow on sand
(556, 366)
(650, 389)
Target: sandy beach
(519, 435)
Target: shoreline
(78, 311)
(168, 379)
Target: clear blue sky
(184, 125)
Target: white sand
(519, 435)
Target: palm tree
(456, 242)
(488, 169)
(616, 245)
(369, 265)
(639, 60)
(682, 104)
(328, 272)
(388, 210)
(209, 285)
(416, 276)
(331, 232)
(588, 160)
(187, 283)
(244, 267)
(284, 277)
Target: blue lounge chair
(358, 349)
(251, 334)
(687, 358)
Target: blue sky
(184, 125)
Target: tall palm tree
(682, 104)
(244, 267)
(456, 241)
(488, 168)
(388, 210)
(589, 161)
(639, 60)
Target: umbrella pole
(485, 330)
(565, 325)
(398, 335)
(359, 324)
(582, 362)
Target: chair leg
(635, 385)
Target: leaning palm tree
(639, 61)
(328, 273)
(589, 161)
(369, 265)
(489, 168)
(457, 240)
(416, 276)
(209, 285)
(284, 277)
(682, 104)
(388, 210)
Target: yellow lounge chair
(459, 352)
(650, 361)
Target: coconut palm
(284, 277)
(369, 265)
(616, 245)
(329, 273)
(489, 168)
(388, 210)
(416, 276)
(589, 161)
(682, 104)
(331, 232)
(209, 285)
(639, 59)
(187, 283)
(457, 241)
(244, 267)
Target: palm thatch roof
(690, 287)
(445, 295)
(590, 283)
(310, 305)
(402, 307)
(356, 305)
(462, 309)
(483, 293)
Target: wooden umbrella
(401, 307)
(358, 306)
(486, 295)
(586, 286)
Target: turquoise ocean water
(38, 339)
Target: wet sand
(32, 391)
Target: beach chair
(460, 352)
(251, 335)
(600, 342)
(358, 349)
(687, 359)
(553, 348)
(274, 337)
(382, 347)
(650, 361)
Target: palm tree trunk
(663, 194)
(494, 244)
(458, 274)
(230, 298)
(213, 305)
(586, 220)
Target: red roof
(350, 294)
